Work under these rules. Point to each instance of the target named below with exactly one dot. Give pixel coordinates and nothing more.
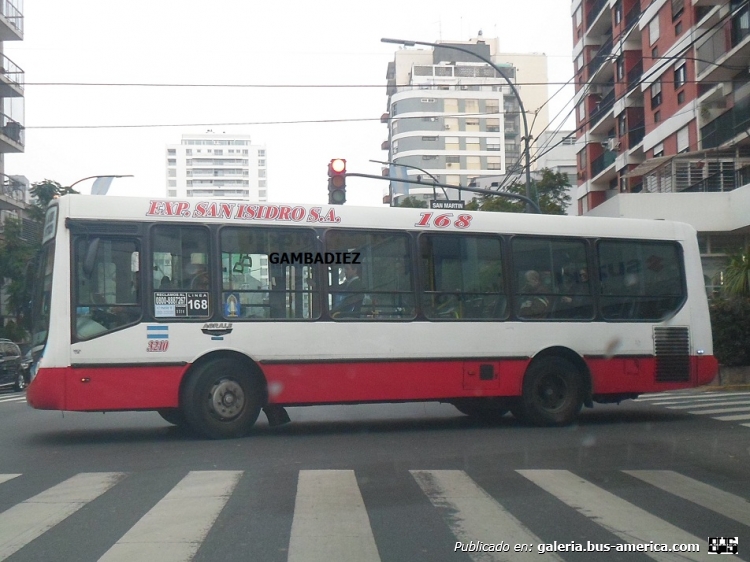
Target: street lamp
(105, 187)
(434, 179)
(410, 43)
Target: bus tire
(485, 409)
(175, 416)
(222, 399)
(552, 392)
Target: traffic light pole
(530, 204)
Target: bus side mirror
(90, 259)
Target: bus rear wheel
(552, 392)
(485, 409)
(222, 399)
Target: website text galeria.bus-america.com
(542, 548)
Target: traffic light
(337, 181)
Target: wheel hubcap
(551, 392)
(227, 399)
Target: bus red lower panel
(381, 381)
(155, 387)
(106, 388)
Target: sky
(75, 131)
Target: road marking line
(14, 399)
(29, 519)
(693, 396)
(330, 519)
(733, 417)
(473, 515)
(707, 496)
(711, 404)
(6, 477)
(720, 411)
(173, 530)
(632, 524)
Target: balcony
(11, 21)
(592, 16)
(636, 134)
(727, 125)
(601, 163)
(632, 17)
(719, 58)
(601, 55)
(602, 108)
(11, 78)
(635, 74)
(696, 172)
(12, 135)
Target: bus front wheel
(221, 399)
(552, 392)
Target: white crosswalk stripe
(26, 521)
(697, 492)
(629, 522)
(715, 405)
(330, 519)
(473, 515)
(13, 398)
(173, 530)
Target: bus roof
(241, 212)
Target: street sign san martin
(446, 204)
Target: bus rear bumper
(47, 390)
(706, 369)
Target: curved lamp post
(410, 43)
(434, 179)
(110, 176)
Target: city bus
(211, 311)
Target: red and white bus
(209, 311)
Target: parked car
(12, 372)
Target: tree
(413, 202)
(16, 254)
(552, 188)
(737, 275)
(43, 192)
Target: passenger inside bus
(534, 304)
(349, 294)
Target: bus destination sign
(192, 304)
(435, 204)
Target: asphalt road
(399, 482)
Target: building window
(451, 123)
(261, 173)
(262, 183)
(450, 105)
(493, 144)
(678, 29)
(472, 143)
(622, 128)
(171, 152)
(655, 53)
(471, 106)
(430, 139)
(680, 75)
(657, 116)
(653, 30)
(472, 124)
(681, 97)
(172, 193)
(493, 125)
(494, 163)
(582, 112)
(394, 127)
(659, 150)
(492, 106)
(683, 140)
(677, 8)
(473, 163)
(620, 68)
(451, 143)
(262, 163)
(618, 12)
(579, 62)
(655, 95)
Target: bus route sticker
(193, 304)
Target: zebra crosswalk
(330, 518)
(12, 398)
(722, 406)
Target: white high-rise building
(217, 165)
(454, 118)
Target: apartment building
(217, 165)
(453, 118)
(13, 193)
(662, 114)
